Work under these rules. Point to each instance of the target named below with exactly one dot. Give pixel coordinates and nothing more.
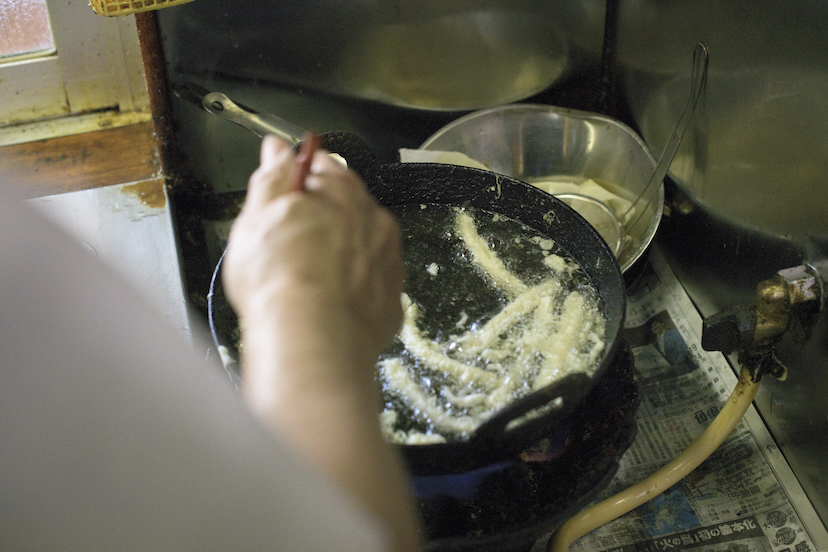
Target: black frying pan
(399, 184)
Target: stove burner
(509, 505)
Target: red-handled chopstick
(303, 161)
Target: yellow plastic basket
(125, 7)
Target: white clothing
(115, 435)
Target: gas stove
(508, 506)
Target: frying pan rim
(378, 183)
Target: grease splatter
(149, 192)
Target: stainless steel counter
(757, 156)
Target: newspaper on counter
(744, 498)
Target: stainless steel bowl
(436, 55)
(539, 143)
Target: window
(24, 29)
(93, 63)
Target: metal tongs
(698, 79)
(260, 124)
(613, 227)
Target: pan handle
(351, 147)
(538, 413)
(357, 154)
(257, 123)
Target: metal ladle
(612, 227)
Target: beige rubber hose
(649, 488)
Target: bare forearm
(301, 384)
(316, 276)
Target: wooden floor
(83, 161)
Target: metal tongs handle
(257, 123)
(697, 81)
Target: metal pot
(435, 55)
(750, 195)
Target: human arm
(316, 277)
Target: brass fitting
(773, 303)
(791, 298)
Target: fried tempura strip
(399, 378)
(431, 353)
(487, 259)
